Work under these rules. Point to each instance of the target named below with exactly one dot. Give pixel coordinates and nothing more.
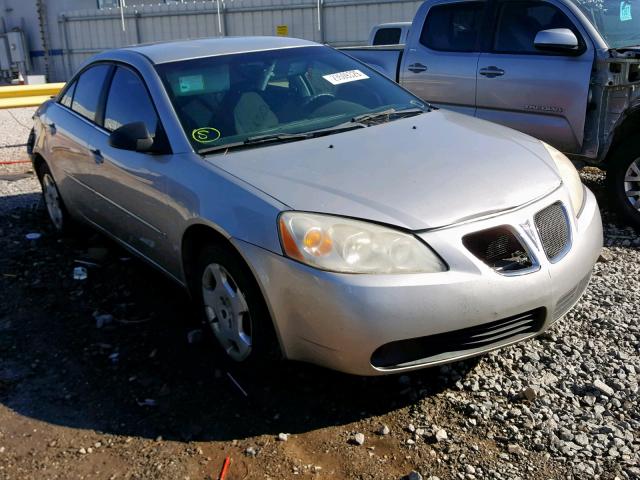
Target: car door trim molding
(136, 252)
(118, 206)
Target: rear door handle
(97, 156)
(492, 72)
(417, 68)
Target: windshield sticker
(206, 135)
(191, 83)
(345, 77)
(625, 11)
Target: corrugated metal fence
(337, 22)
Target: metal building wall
(342, 22)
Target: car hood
(423, 172)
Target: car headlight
(343, 245)
(570, 177)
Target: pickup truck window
(453, 27)
(231, 99)
(618, 21)
(387, 36)
(520, 22)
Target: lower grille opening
(422, 349)
(499, 248)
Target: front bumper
(340, 320)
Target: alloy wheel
(52, 201)
(227, 312)
(632, 184)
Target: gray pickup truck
(564, 71)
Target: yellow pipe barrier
(18, 96)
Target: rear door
(72, 131)
(441, 60)
(544, 94)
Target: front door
(132, 183)
(544, 94)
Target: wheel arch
(38, 162)
(194, 238)
(629, 124)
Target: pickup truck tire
(233, 307)
(623, 180)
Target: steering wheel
(316, 101)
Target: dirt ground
(98, 380)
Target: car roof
(165, 52)
(394, 24)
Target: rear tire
(623, 181)
(56, 210)
(231, 303)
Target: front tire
(233, 307)
(623, 181)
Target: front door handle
(417, 68)
(52, 128)
(97, 156)
(492, 72)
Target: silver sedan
(315, 209)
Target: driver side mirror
(132, 136)
(557, 40)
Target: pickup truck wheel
(623, 181)
(234, 308)
(53, 201)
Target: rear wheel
(53, 201)
(233, 307)
(623, 181)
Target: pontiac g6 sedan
(315, 208)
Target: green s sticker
(206, 134)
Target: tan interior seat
(252, 114)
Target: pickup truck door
(441, 60)
(544, 94)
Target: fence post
(320, 20)
(64, 25)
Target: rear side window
(520, 22)
(387, 36)
(88, 90)
(129, 102)
(453, 28)
(67, 98)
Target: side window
(520, 22)
(453, 28)
(129, 102)
(88, 90)
(387, 36)
(67, 98)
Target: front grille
(422, 350)
(499, 248)
(553, 227)
(572, 296)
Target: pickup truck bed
(386, 58)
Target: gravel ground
(15, 125)
(98, 380)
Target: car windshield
(618, 21)
(279, 95)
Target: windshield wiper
(282, 137)
(366, 117)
